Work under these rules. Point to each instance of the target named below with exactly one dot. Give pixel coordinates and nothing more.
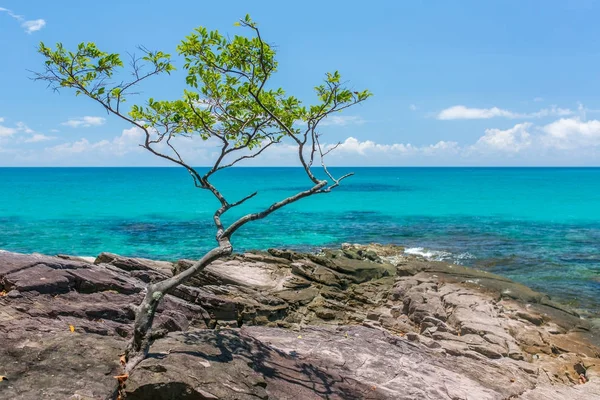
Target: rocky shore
(362, 322)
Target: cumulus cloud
(369, 148)
(84, 122)
(30, 26)
(127, 142)
(511, 140)
(353, 145)
(17, 135)
(6, 131)
(463, 112)
(524, 143)
(569, 133)
(412, 107)
(356, 152)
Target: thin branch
(273, 207)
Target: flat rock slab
(232, 364)
(59, 366)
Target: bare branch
(274, 207)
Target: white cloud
(549, 112)
(370, 148)
(463, 112)
(127, 142)
(33, 25)
(22, 127)
(84, 122)
(538, 99)
(566, 141)
(15, 16)
(38, 137)
(19, 127)
(569, 133)
(412, 107)
(441, 146)
(30, 26)
(69, 148)
(510, 140)
(353, 145)
(342, 120)
(6, 131)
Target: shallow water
(538, 226)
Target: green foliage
(88, 70)
(227, 95)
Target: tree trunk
(138, 347)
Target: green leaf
(228, 89)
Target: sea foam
(438, 255)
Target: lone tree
(227, 99)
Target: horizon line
(300, 167)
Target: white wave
(465, 256)
(439, 255)
(435, 255)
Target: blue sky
(454, 83)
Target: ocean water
(538, 226)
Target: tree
(228, 99)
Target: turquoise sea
(538, 226)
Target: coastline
(458, 211)
(371, 304)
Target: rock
(89, 260)
(298, 297)
(231, 364)
(101, 279)
(325, 313)
(534, 319)
(132, 264)
(59, 365)
(341, 324)
(40, 278)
